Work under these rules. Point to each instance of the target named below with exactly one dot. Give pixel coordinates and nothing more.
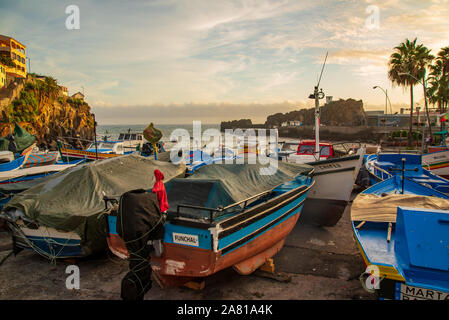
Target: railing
(222, 209)
(384, 174)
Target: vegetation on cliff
(243, 123)
(43, 110)
(336, 113)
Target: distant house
(284, 124)
(64, 90)
(296, 123)
(78, 95)
(2, 75)
(15, 51)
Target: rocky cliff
(41, 108)
(336, 113)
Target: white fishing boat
(437, 161)
(131, 140)
(334, 177)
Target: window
(133, 136)
(120, 137)
(325, 151)
(126, 136)
(306, 149)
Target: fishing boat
(385, 165)
(199, 158)
(14, 164)
(13, 182)
(401, 230)
(131, 140)
(105, 150)
(334, 182)
(225, 216)
(437, 160)
(334, 177)
(64, 220)
(306, 152)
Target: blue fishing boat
(198, 158)
(22, 179)
(13, 164)
(224, 216)
(385, 165)
(401, 229)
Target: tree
(404, 70)
(424, 60)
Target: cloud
(167, 52)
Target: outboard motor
(139, 223)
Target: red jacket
(159, 190)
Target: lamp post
(386, 98)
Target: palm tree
(439, 80)
(424, 60)
(404, 71)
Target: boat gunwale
(180, 220)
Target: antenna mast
(317, 95)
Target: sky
(171, 61)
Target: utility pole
(317, 95)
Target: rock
(336, 113)
(42, 109)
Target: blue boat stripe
(261, 230)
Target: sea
(113, 131)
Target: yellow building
(16, 52)
(2, 75)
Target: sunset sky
(177, 61)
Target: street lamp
(386, 97)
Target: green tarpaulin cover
(72, 200)
(22, 138)
(224, 184)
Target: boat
(305, 152)
(199, 158)
(14, 182)
(436, 159)
(334, 177)
(334, 182)
(105, 150)
(225, 215)
(13, 164)
(131, 140)
(385, 165)
(401, 230)
(64, 221)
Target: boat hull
(334, 181)
(437, 162)
(73, 154)
(46, 241)
(199, 263)
(244, 241)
